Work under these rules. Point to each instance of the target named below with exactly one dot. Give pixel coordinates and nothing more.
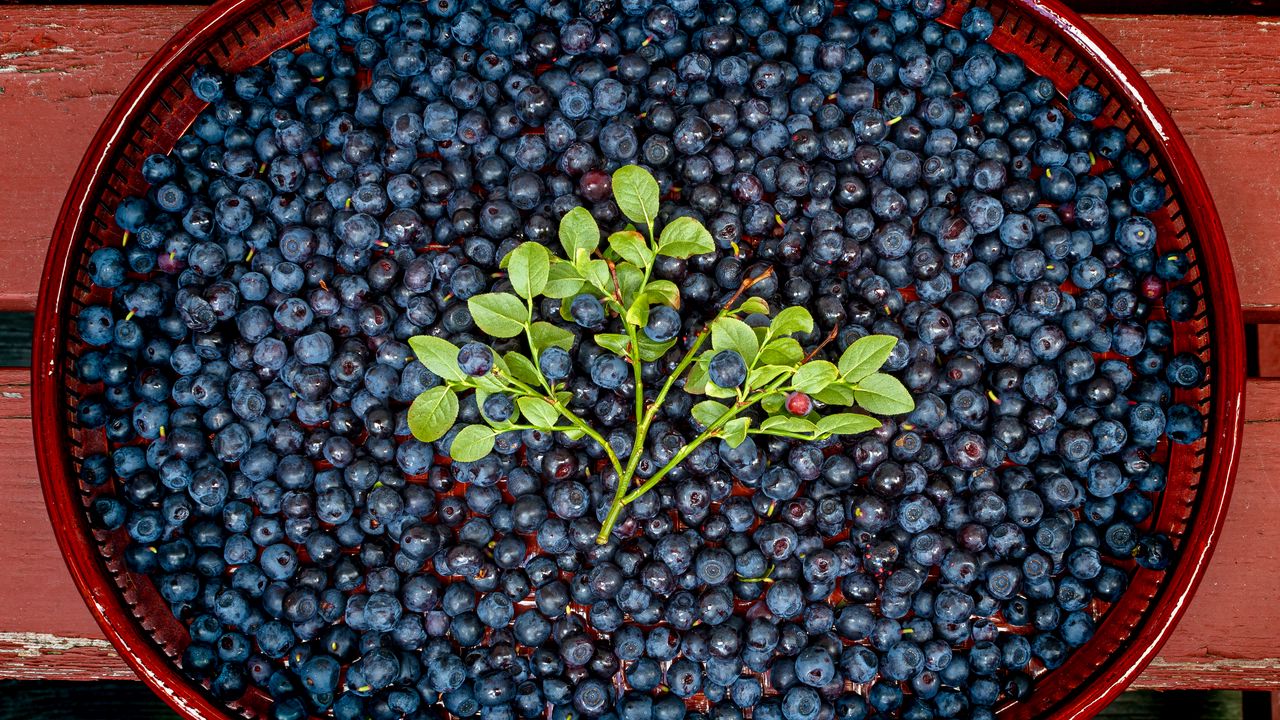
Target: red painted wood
(1269, 351)
(1229, 638)
(13, 293)
(71, 62)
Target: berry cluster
(882, 173)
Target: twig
(830, 336)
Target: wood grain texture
(61, 68)
(1229, 638)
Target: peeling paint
(6, 394)
(31, 645)
(1156, 71)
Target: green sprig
(619, 273)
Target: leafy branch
(771, 385)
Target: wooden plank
(62, 67)
(1229, 638)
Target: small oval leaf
(813, 377)
(433, 413)
(546, 335)
(685, 237)
(472, 443)
(729, 333)
(791, 320)
(846, 424)
(439, 355)
(883, 395)
(579, 231)
(708, 411)
(865, 356)
(636, 193)
(631, 246)
(529, 269)
(500, 315)
(538, 412)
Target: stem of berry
(621, 497)
(569, 415)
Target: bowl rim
(140, 651)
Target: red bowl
(158, 106)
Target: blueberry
(608, 371)
(727, 369)
(587, 311)
(475, 359)
(663, 324)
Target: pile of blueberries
(898, 176)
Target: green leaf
(735, 431)
(433, 413)
(664, 292)
(650, 350)
(684, 237)
(729, 333)
(716, 391)
(501, 315)
(787, 423)
(636, 193)
(773, 402)
(883, 395)
(865, 356)
(538, 411)
(696, 383)
(563, 280)
(491, 383)
(530, 268)
(631, 280)
(753, 305)
(782, 351)
(578, 231)
(846, 424)
(472, 443)
(791, 320)
(613, 342)
(813, 376)
(546, 335)
(522, 368)
(708, 411)
(597, 273)
(439, 355)
(837, 393)
(762, 375)
(638, 313)
(631, 246)
(574, 433)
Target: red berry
(1152, 287)
(799, 404)
(595, 185)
